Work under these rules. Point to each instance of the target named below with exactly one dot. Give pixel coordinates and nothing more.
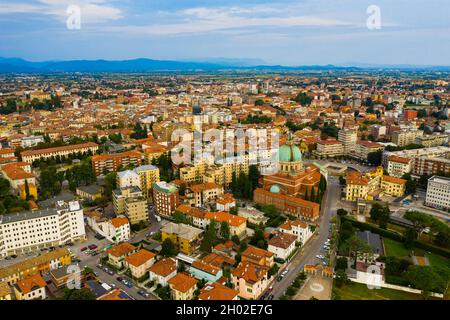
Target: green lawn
(397, 249)
(357, 291)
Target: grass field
(357, 291)
(397, 249)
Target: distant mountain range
(18, 65)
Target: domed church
(288, 187)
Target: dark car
(119, 279)
(83, 249)
(92, 247)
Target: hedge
(395, 236)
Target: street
(314, 246)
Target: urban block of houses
(5, 291)
(62, 276)
(182, 286)
(163, 270)
(253, 215)
(225, 202)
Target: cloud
(204, 20)
(92, 11)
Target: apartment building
(329, 148)
(64, 151)
(35, 230)
(297, 228)
(348, 138)
(438, 193)
(363, 148)
(105, 163)
(19, 175)
(143, 177)
(185, 237)
(203, 193)
(41, 264)
(136, 209)
(405, 137)
(120, 195)
(433, 140)
(393, 186)
(431, 165)
(251, 280)
(238, 225)
(182, 286)
(398, 166)
(165, 198)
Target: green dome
(275, 189)
(289, 153)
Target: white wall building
(438, 193)
(32, 231)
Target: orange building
(111, 162)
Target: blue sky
(284, 32)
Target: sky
(285, 32)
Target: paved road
(315, 244)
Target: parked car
(119, 279)
(110, 272)
(83, 249)
(93, 247)
(100, 266)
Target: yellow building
(185, 237)
(329, 148)
(40, 264)
(148, 175)
(182, 286)
(393, 186)
(32, 190)
(5, 291)
(363, 186)
(136, 209)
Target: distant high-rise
(196, 109)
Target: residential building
(225, 202)
(348, 138)
(5, 291)
(120, 195)
(202, 270)
(142, 177)
(282, 245)
(105, 163)
(90, 193)
(398, 166)
(139, 262)
(297, 228)
(238, 225)
(34, 230)
(165, 198)
(250, 279)
(204, 193)
(216, 291)
(432, 140)
(118, 253)
(258, 256)
(363, 148)
(253, 215)
(185, 237)
(438, 193)
(114, 229)
(182, 286)
(63, 152)
(431, 165)
(43, 263)
(67, 274)
(19, 174)
(136, 209)
(162, 271)
(127, 178)
(393, 186)
(405, 137)
(329, 148)
(31, 288)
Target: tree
(168, 249)
(27, 191)
(235, 239)
(380, 214)
(410, 186)
(209, 237)
(341, 278)
(341, 212)
(374, 158)
(422, 278)
(410, 236)
(179, 217)
(78, 294)
(258, 239)
(341, 263)
(357, 246)
(341, 181)
(225, 230)
(303, 99)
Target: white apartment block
(348, 137)
(35, 230)
(438, 193)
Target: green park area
(357, 291)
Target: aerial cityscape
(135, 176)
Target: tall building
(142, 177)
(136, 209)
(348, 137)
(105, 163)
(165, 198)
(35, 230)
(438, 193)
(403, 138)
